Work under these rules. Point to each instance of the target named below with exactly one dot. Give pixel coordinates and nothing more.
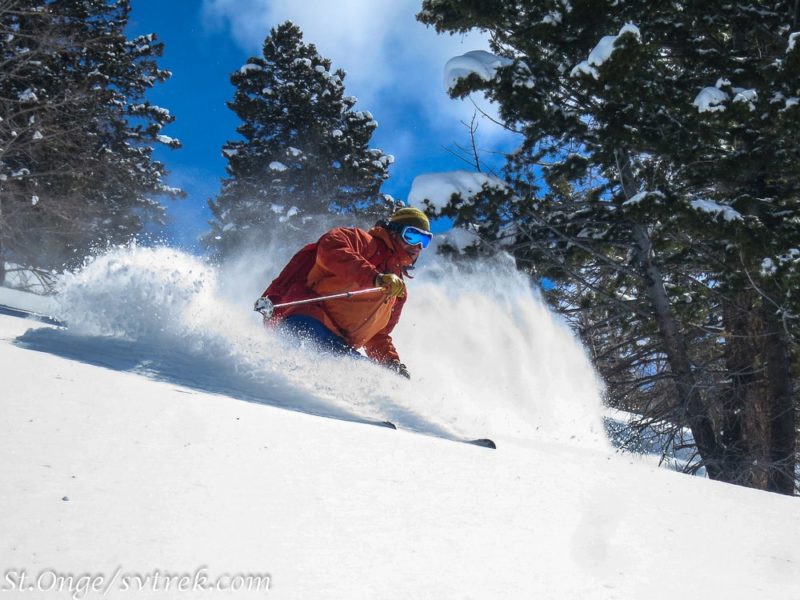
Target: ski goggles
(416, 237)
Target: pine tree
(304, 149)
(670, 211)
(76, 135)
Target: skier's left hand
(397, 367)
(393, 284)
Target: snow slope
(152, 436)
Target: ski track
(487, 358)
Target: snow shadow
(197, 371)
(204, 372)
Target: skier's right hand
(264, 306)
(398, 367)
(393, 284)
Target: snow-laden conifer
(76, 133)
(303, 148)
(659, 173)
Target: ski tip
(484, 443)
(388, 424)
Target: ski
(480, 442)
(28, 314)
(375, 423)
(483, 443)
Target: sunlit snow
(438, 188)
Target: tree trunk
(783, 430)
(2, 247)
(758, 413)
(697, 416)
(2, 264)
(743, 405)
(748, 436)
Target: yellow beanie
(411, 216)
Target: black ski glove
(397, 367)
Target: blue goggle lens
(416, 237)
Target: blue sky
(394, 66)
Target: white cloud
(390, 58)
(395, 66)
(352, 33)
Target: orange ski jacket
(349, 259)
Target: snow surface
(709, 206)
(165, 139)
(479, 62)
(459, 238)
(710, 99)
(553, 18)
(638, 198)
(152, 434)
(28, 96)
(43, 305)
(746, 96)
(248, 67)
(438, 188)
(793, 37)
(603, 51)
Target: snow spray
(487, 358)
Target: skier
(349, 259)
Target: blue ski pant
(308, 329)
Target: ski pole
(266, 307)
